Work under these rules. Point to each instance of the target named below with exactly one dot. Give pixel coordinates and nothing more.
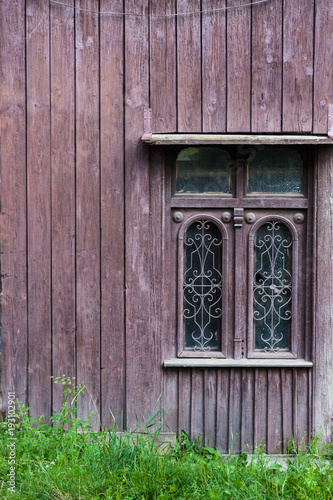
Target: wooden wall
(81, 209)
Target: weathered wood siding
(82, 224)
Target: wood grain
(87, 205)
(267, 67)
(238, 67)
(38, 206)
(260, 408)
(287, 408)
(213, 66)
(297, 65)
(14, 348)
(197, 405)
(274, 413)
(248, 389)
(235, 413)
(322, 373)
(222, 411)
(323, 69)
(185, 401)
(141, 367)
(189, 66)
(63, 196)
(163, 66)
(112, 216)
(209, 406)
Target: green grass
(65, 460)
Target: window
(242, 228)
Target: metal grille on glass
(272, 287)
(202, 286)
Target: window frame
(187, 353)
(203, 205)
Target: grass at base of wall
(65, 460)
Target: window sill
(236, 363)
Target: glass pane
(202, 286)
(203, 170)
(272, 287)
(275, 170)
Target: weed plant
(65, 460)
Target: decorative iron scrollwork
(202, 286)
(272, 286)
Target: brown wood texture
(112, 215)
(189, 65)
(92, 240)
(163, 66)
(14, 349)
(213, 66)
(222, 411)
(297, 65)
(63, 195)
(142, 338)
(238, 67)
(274, 413)
(323, 68)
(248, 390)
(38, 206)
(197, 405)
(266, 67)
(261, 408)
(185, 395)
(87, 205)
(210, 407)
(322, 373)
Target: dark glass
(203, 286)
(275, 170)
(203, 171)
(272, 287)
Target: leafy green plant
(65, 460)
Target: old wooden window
(242, 227)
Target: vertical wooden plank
(238, 67)
(197, 405)
(222, 411)
(287, 407)
(170, 400)
(39, 209)
(63, 195)
(323, 68)
(247, 434)
(267, 67)
(302, 399)
(297, 65)
(235, 410)
(210, 401)
(189, 65)
(185, 400)
(260, 408)
(87, 203)
(156, 243)
(163, 92)
(13, 201)
(214, 66)
(142, 368)
(112, 215)
(274, 412)
(323, 324)
(169, 306)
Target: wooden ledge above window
(236, 363)
(203, 139)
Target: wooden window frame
(294, 331)
(182, 352)
(203, 206)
